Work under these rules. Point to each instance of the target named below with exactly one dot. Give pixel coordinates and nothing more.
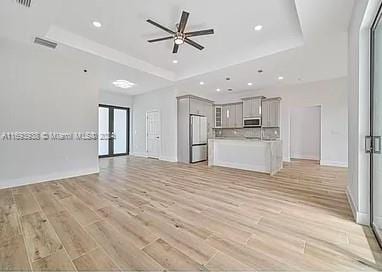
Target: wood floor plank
(80, 211)
(48, 203)
(121, 249)
(25, 202)
(13, 255)
(171, 258)
(58, 261)
(224, 262)
(128, 225)
(188, 243)
(9, 218)
(253, 258)
(40, 238)
(75, 240)
(96, 260)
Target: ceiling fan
(179, 36)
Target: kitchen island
(263, 156)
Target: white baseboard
(44, 178)
(351, 203)
(161, 158)
(137, 154)
(168, 158)
(360, 218)
(334, 163)
(363, 218)
(305, 157)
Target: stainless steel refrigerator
(198, 138)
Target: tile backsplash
(271, 133)
(240, 133)
(268, 133)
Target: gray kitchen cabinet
(232, 116)
(271, 112)
(197, 107)
(226, 115)
(218, 116)
(239, 115)
(252, 107)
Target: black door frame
(111, 130)
(376, 21)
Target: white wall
(43, 91)
(116, 99)
(305, 133)
(331, 95)
(164, 101)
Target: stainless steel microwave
(252, 122)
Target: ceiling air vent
(26, 3)
(46, 43)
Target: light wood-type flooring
(146, 215)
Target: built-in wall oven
(253, 122)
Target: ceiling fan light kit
(180, 36)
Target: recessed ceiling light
(175, 61)
(258, 27)
(97, 24)
(201, 83)
(218, 90)
(124, 84)
(250, 84)
(280, 77)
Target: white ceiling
(303, 40)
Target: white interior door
(153, 134)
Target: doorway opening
(153, 141)
(305, 133)
(114, 131)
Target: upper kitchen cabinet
(232, 115)
(197, 106)
(226, 115)
(271, 112)
(218, 111)
(252, 107)
(239, 115)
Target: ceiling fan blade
(175, 49)
(200, 33)
(194, 44)
(160, 26)
(161, 39)
(183, 21)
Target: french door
(374, 141)
(113, 129)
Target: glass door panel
(376, 130)
(120, 131)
